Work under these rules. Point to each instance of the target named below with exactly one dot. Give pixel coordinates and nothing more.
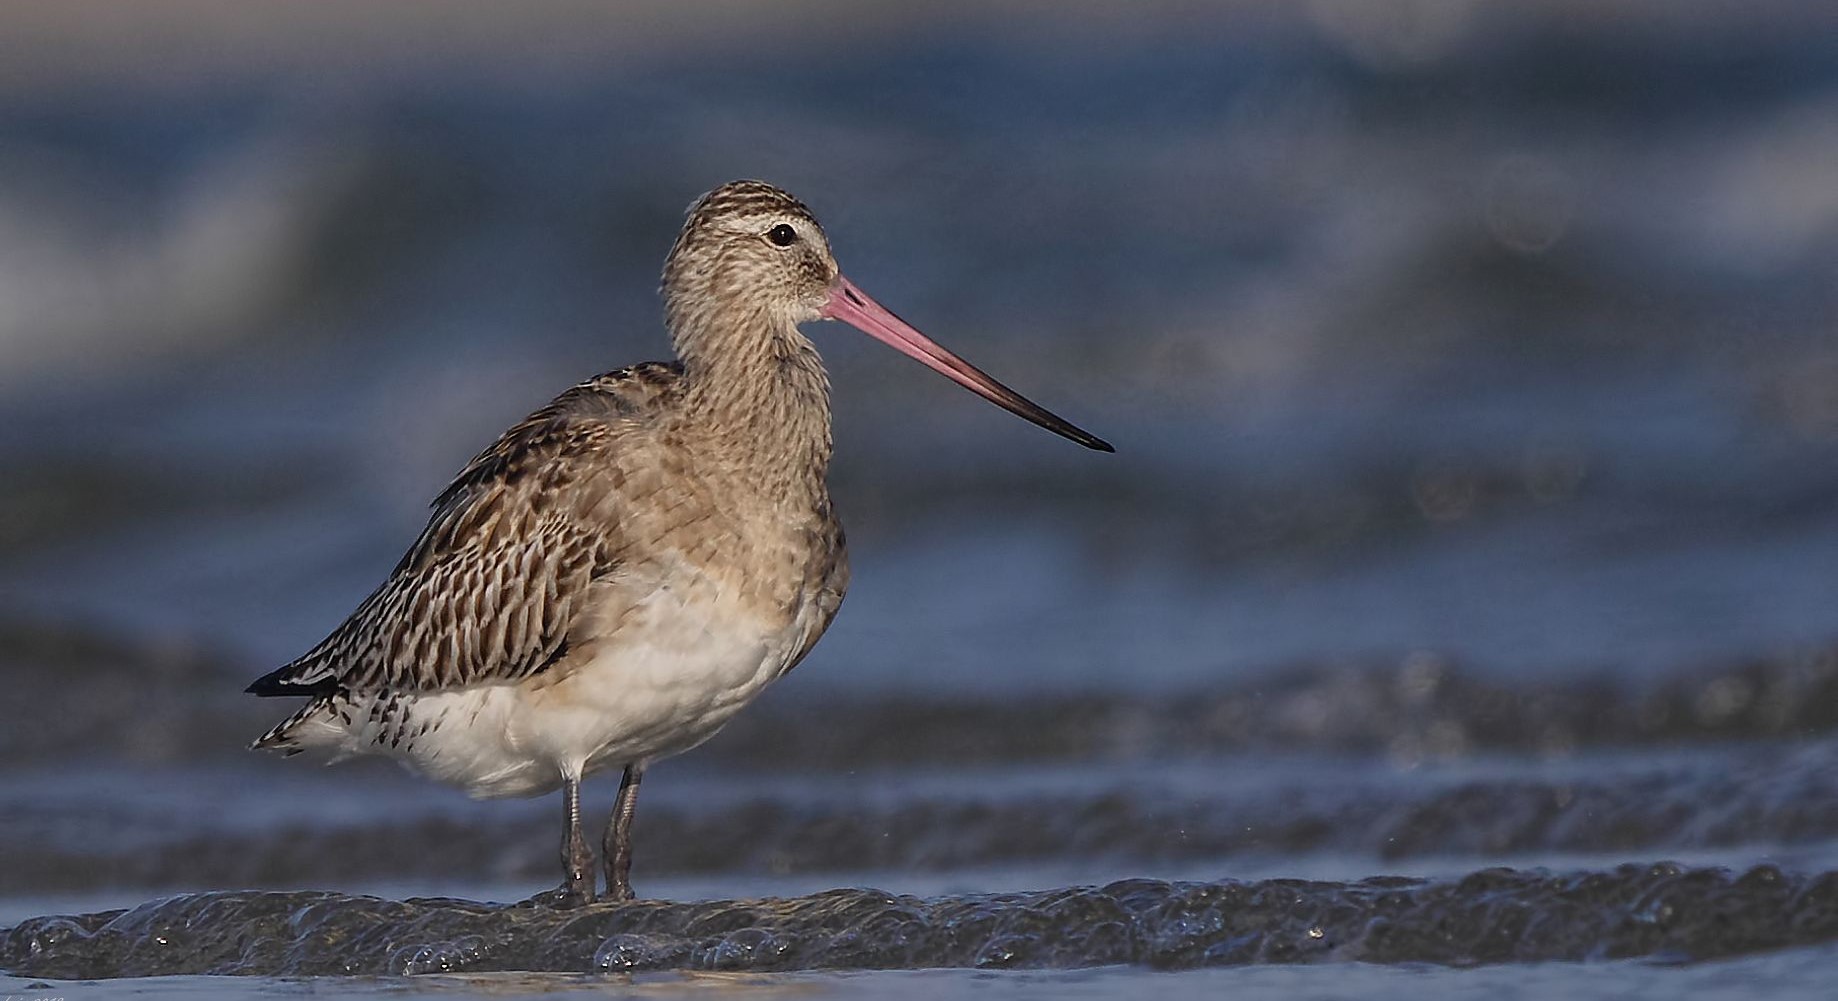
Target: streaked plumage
(624, 570)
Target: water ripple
(1491, 916)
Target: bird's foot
(574, 892)
(618, 891)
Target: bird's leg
(616, 846)
(577, 858)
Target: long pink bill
(853, 306)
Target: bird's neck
(757, 393)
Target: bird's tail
(281, 737)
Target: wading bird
(623, 571)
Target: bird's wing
(502, 571)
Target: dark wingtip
(274, 683)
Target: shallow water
(1493, 916)
(1793, 974)
(1477, 414)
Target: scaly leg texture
(616, 846)
(577, 858)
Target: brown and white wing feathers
(503, 570)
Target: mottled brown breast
(826, 581)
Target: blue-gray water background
(1472, 372)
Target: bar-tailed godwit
(623, 571)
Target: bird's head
(752, 261)
(748, 246)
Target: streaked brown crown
(741, 199)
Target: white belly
(667, 679)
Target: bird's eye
(782, 235)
